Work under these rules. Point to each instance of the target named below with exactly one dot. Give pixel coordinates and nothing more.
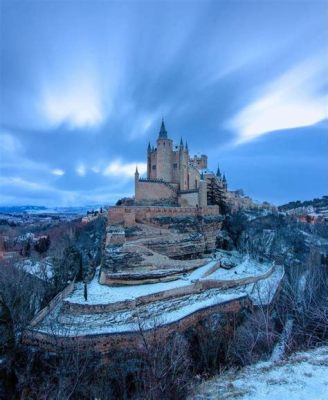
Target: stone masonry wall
(189, 198)
(154, 191)
(102, 343)
(56, 300)
(118, 215)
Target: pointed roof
(181, 143)
(187, 146)
(149, 148)
(218, 172)
(224, 178)
(162, 133)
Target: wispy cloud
(58, 172)
(76, 102)
(81, 170)
(23, 183)
(118, 169)
(293, 100)
(9, 144)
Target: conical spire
(137, 172)
(224, 178)
(187, 149)
(149, 148)
(181, 143)
(218, 172)
(162, 133)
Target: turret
(162, 133)
(136, 180)
(181, 144)
(224, 181)
(148, 161)
(164, 155)
(218, 172)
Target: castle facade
(174, 178)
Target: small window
(153, 167)
(175, 165)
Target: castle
(174, 178)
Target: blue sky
(84, 85)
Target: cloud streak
(119, 170)
(291, 101)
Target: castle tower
(183, 165)
(225, 183)
(148, 161)
(164, 155)
(136, 181)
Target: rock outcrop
(158, 249)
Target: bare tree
(165, 371)
(304, 300)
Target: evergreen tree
(85, 291)
(216, 195)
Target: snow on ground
(263, 291)
(303, 376)
(245, 268)
(151, 315)
(103, 294)
(40, 269)
(280, 348)
(159, 312)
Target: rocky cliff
(158, 248)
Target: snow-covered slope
(303, 376)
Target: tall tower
(148, 161)
(183, 164)
(136, 182)
(164, 155)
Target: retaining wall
(104, 343)
(194, 288)
(52, 304)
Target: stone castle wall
(152, 192)
(130, 215)
(189, 198)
